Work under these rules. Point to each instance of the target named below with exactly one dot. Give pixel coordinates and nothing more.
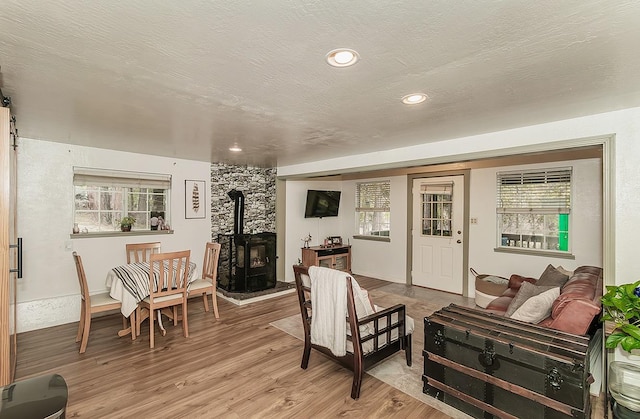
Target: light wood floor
(236, 367)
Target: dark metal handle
(487, 356)
(555, 379)
(19, 247)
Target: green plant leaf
(629, 343)
(614, 339)
(631, 330)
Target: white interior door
(438, 205)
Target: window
(373, 213)
(103, 197)
(437, 205)
(533, 209)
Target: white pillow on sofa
(526, 291)
(537, 308)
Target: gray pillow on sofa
(552, 276)
(527, 290)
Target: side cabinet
(334, 257)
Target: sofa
(561, 300)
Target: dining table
(129, 284)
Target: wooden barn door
(8, 252)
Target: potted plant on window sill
(126, 223)
(621, 305)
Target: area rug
(393, 371)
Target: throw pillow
(537, 308)
(551, 276)
(565, 271)
(364, 306)
(526, 291)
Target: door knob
(459, 241)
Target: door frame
(465, 173)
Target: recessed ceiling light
(342, 57)
(235, 148)
(414, 98)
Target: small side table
(37, 397)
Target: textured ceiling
(189, 79)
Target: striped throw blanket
(135, 277)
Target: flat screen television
(322, 204)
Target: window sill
(535, 252)
(373, 238)
(120, 234)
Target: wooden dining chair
(140, 252)
(168, 280)
(96, 303)
(207, 283)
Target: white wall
(297, 227)
(387, 260)
(623, 124)
(585, 228)
(48, 294)
(379, 259)
(383, 260)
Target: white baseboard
(39, 314)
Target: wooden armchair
(386, 331)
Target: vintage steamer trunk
(491, 366)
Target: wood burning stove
(247, 262)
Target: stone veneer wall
(258, 184)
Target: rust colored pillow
(515, 281)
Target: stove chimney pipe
(238, 210)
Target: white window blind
(373, 196)
(439, 189)
(85, 176)
(540, 191)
